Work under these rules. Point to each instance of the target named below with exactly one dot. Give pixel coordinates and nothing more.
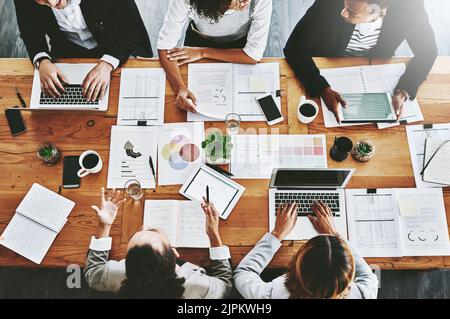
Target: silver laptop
(304, 187)
(72, 99)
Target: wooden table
(20, 167)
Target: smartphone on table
(15, 121)
(270, 110)
(70, 172)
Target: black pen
(207, 194)
(150, 160)
(19, 96)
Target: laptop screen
(310, 178)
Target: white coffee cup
(304, 118)
(93, 166)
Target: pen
(150, 160)
(207, 194)
(19, 96)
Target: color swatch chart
(255, 156)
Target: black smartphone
(270, 110)
(70, 172)
(15, 121)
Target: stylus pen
(150, 160)
(19, 96)
(207, 194)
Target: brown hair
(323, 269)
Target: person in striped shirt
(364, 28)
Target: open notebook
(182, 221)
(39, 218)
(398, 222)
(224, 88)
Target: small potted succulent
(49, 154)
(217, 148)
(364, 150)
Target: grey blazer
(249, 283)
(103, 274)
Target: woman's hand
(323, 220)
(286, 220)
(109, 206)
(333, 100)
(186, 100)
(398, 100)
(185, 55)
(212, 223)
(52, 79)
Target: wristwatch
(38, 61)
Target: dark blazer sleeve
(299, 50)
(421, 40)
(31, 30)
(132, 30)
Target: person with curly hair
(234, 31)
(151, 269)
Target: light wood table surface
(20, 168)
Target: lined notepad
(39, 218)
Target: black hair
(213, 9)
(151, 275)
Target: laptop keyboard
(72, 96)
(305, 201)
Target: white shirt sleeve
(219, 253)
(259, 30)
(111, 60)
(174, 22)
(40, 55)
(101, 244)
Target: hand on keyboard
(97, 81)
(52, 79)
(323, 220)
(286, 220)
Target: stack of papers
(142, 97)
(417, 137)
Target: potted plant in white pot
(217, 147)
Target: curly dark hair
(213, 9)
(151, 275)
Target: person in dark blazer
(369, 28)
(110, 30)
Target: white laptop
(305, 186)
(72, 99)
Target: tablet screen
(221, 192)
(367, 106)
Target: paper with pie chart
(179, 151)
(130, 151)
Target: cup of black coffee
(307, 111)
(341, 149)
(91, 163)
